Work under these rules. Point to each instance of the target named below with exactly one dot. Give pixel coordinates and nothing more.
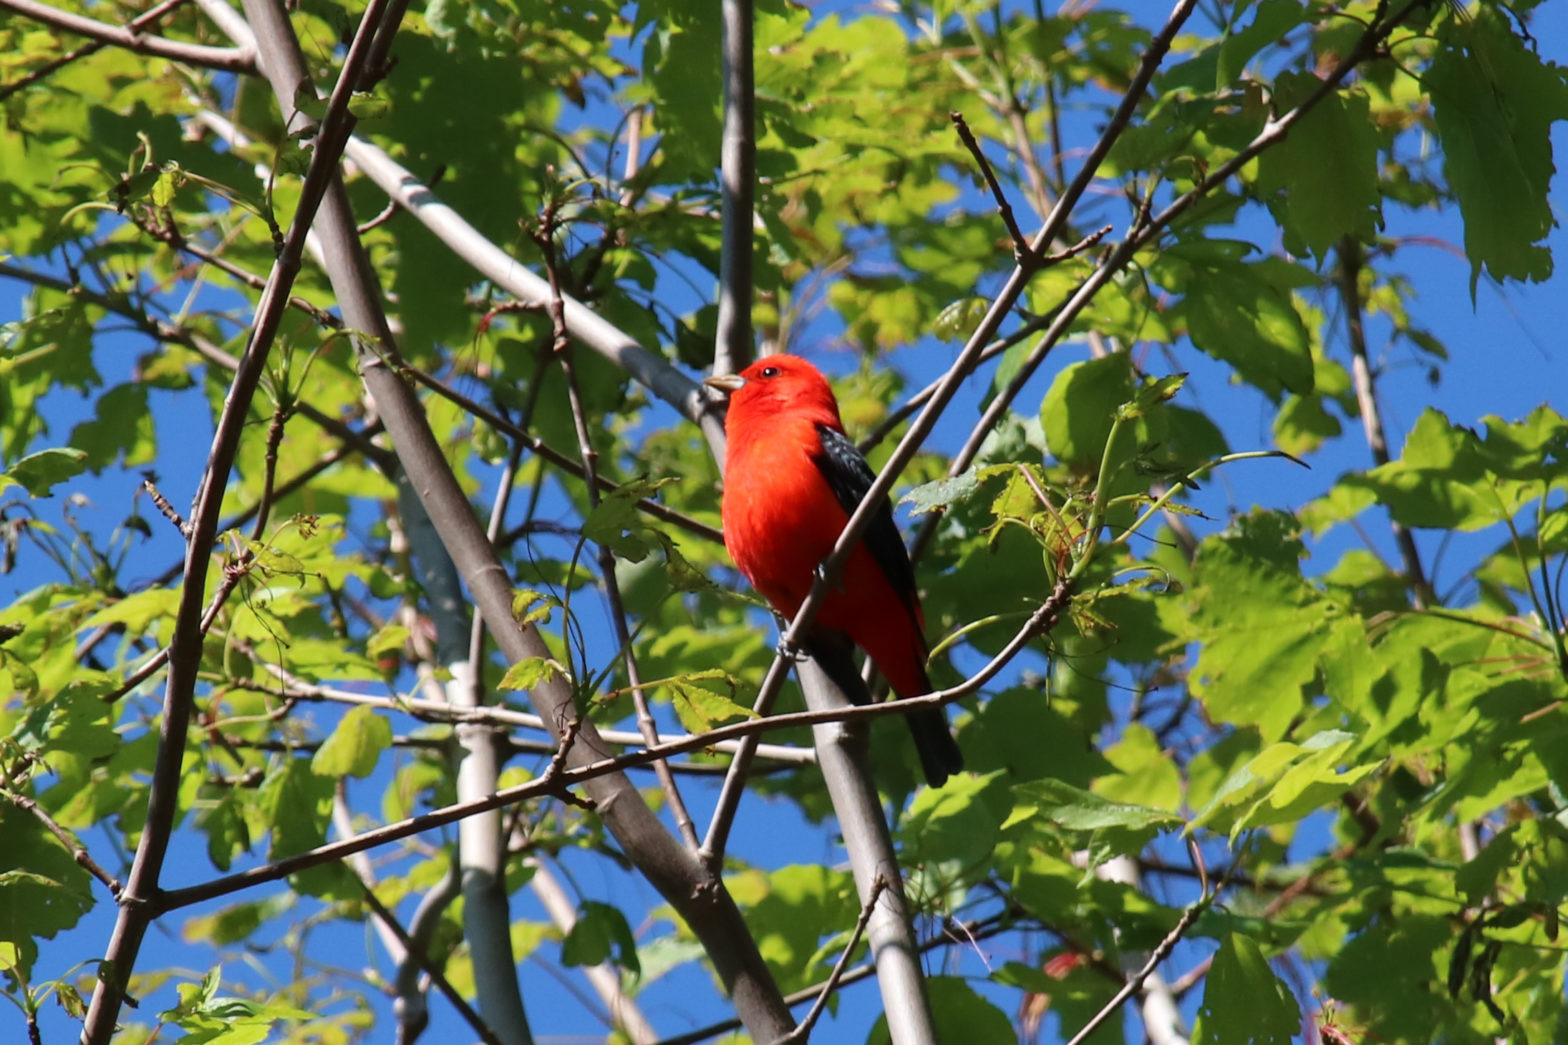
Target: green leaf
(1261, 624)
(1302, 425)
(368, 105)
(940, 494)
(1270, 22)
(1244, 1003)
(44, 893)
(601, 933)
(1081, 406)
(952, 823)
(1152, 394)
(389, 638)
(700, 708)
(1146, 775)
(530, 607)
(1495, 102)
(1478, 877)
(355, 746)
(1028, 738)
(38, 473)
(122, 430)
(1079, 810)
(1235, 314)
(1438, 479)
(790, 911)
(617, 524)
(958, 320)
(223, 819)
(170, 178)
(1318, 201)
(529, 672)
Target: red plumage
(791, 480)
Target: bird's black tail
(940, 757)
(934, 743)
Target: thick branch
(699, 897)
(738, 175)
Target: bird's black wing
(849, 477)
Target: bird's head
(779, 385)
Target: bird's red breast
(791, 480)
(782, 517)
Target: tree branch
(698, 896)
(1348, 274)
(738, 180)
(802, 1033)
(186, 648)
(221, 59)
(136, 24)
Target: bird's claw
(789, 651)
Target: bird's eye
(770, 371)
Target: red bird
(791, 480)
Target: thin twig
(1082, 245)
(418, 956)
(280, 416)
(590, 328)
(78, 852)
(1021, 248)
(441, 711)
(555, 781)
(555, 457)
(562, 347)
(165, 509)
(149, 668)
(1349, 276)
(1149, 227)
(1135, 982)
(803, 1032)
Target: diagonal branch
(562, 350)
(186, 648)
(222, 59)
(506, 272)
(696, 894)
(92, 47)
(557, 780)
(1146, 231)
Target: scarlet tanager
(791, 480)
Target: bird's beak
(726, 383)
